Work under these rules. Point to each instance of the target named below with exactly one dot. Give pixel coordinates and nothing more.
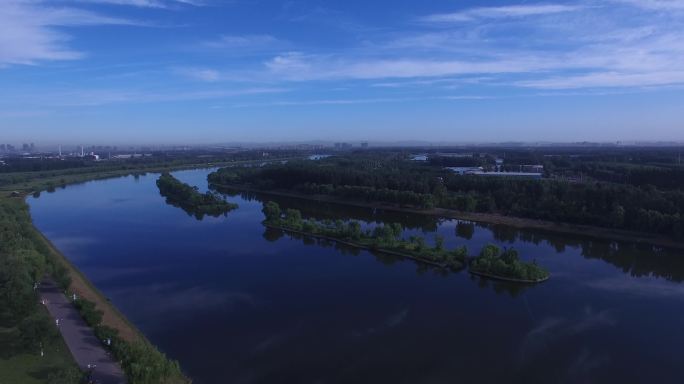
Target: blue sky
(204, 71)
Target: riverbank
(47, 180)
(15, 195)
(600, 233)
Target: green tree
(35, 330)
(17, 297)
(617, 216)
(439, 242)
(271, 210)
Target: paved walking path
(80, 338)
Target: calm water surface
(235, 303)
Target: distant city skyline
(114, 72)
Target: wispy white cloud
(341, 102)
(243, 41)
(99, 97)
(30, 31)
(509, 11)
(146, 3)
(659, 5)
(202, 74)
(298, 66)
(607, 79)
(591, 45)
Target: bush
(144, 364)
(90, 314)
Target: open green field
(21, 366)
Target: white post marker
(57, 322)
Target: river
(236, 303)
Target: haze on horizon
(202, 71)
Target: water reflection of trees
(638, 260)
(501, 287)
(272, 234)
(191, 211)
(325, 210)
(632, 258)
(465, 229)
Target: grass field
(28, 367)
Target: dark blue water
(235, 303)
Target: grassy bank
(601, 233)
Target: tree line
(385, 179)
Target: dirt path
(84, 346)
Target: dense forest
(390, 177)
(190, 199)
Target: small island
(190, 199)
(385, 238)
(504, 265)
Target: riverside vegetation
(142, 362)
(25, 326)
(384, 238)
(25, 259)
(491, 262)
(389, 177)
(190, 199)
(505, 265)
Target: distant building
(499, 164)
(419, 157)
(341, 146)
(466, 170)
(535, 168)
(364, 145)
(318, 157)
(519, 175)
(453, 154)
(479, 171)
